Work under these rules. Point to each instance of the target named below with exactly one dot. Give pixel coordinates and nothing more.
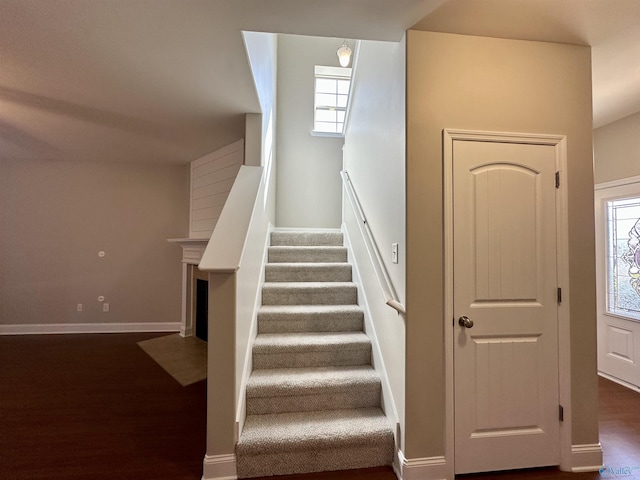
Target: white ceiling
(168, 80)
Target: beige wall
(54, 219)
(616, 148)
(478, 83)
(308, 167)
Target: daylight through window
(623, 257)
(331, 98)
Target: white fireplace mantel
(192, 250)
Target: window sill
(326, 134)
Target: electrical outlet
(105, 307)
(79, 307)
(394, 253)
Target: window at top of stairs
(332, 86)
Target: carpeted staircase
(313, 399)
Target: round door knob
(465, 322)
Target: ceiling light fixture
(344, 54)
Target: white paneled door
(505, 306)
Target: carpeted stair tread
(312, 389)
(309, 342)
(317, 349)
(307, 254)
(310, 381)
(309, 318)
(303, 238)
(308, 272)
(309, 309)
(307, 285)
(314, 430)
(309, 293)
(305, 442)
(313, 399)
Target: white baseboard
(57, 328)
(219, 467)
(431, 468)
(628, 385)
(586, 458)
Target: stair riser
(300, 325)
(306, 238)
(307, 255)
(315, 460)
(310, 296)
(357, 398)
(322, 358)
(286, 273)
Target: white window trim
(605, 192)
(322, 71)
(316, 133)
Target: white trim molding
(57, 328)
(241, 407)
(628, 385)
(192, 250)
(219, 467)
(617, 183)
(586, 458)
(429, 468)
(619, 368)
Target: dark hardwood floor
(97, 407)
(620, 429)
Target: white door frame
(627, 187)
(564, 340)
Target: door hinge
(559, 295)
(557, 179)
(561, 413)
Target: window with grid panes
(331, 96)
(623, 257)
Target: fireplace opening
(201, 305)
